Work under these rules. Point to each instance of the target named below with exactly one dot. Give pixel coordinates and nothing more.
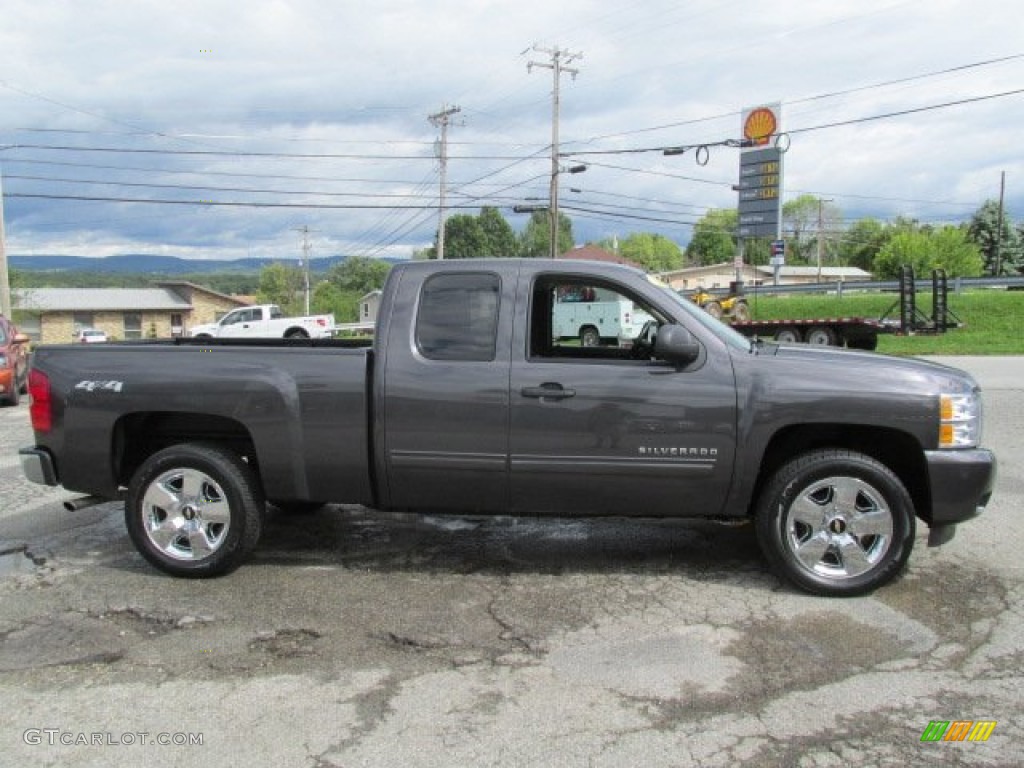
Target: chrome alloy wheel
(838, 528)
(186, 514)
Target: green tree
(861, 243)
(535, 240)
(947, 248)
(655, 253)
(344, 305)
(501, 239)
(358, 274)
(282, 284)
(714, 237)
(464, 237)
(992, 235)
(800, 226)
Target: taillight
(321, 321)
(40, 410)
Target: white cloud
(356, 82)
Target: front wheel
(714, 309)
(836, 523)
(194, 510)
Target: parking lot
(364, 639)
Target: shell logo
(759, 126)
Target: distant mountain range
(144, 263)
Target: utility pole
(5, 285)
(306, 248)
(443, 119)
(557, 65)
(998, 226)
(821, 232)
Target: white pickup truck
(265, 321)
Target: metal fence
(956, 285)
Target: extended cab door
(442, 396)
(241, 322)
(606, 430)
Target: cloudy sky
(217, 129)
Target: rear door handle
(548, 391)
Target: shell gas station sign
(760, 205)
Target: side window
(132, 325)
(574, 318)
(458, 317)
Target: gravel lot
(361, 639)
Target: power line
(229, 203)
(245, 153)
(912, 111)
(155, 185)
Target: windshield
(717, 327)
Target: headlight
(960, 421)
(3, 361)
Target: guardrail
(956, 285)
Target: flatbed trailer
(855, 332)
(863, 332)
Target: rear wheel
(194, 510)
(822, 335)
(14, 396)
(590, 337)
(741, 311)
(296, 333)
(870, 343)
(836, 523)
(788, 335)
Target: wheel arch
(897, 450)
(137, 436)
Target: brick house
(54, 315)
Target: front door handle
(548, 391)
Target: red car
(13, 362)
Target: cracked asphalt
(356, 638)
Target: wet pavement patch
(15, 559)
(68, 638)
(807, 651)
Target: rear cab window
(458, 317)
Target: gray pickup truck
(468, 402)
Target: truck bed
(301, 406)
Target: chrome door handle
(548, 391)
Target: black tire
(846, 547)
(296, 333)
(714, 309)
(787, 334)
(195, 496)
(14, 396)
(869, 343)
(590, 337)
(822, 336)
(741, 311)
(296, 507)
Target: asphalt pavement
(356, 638)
